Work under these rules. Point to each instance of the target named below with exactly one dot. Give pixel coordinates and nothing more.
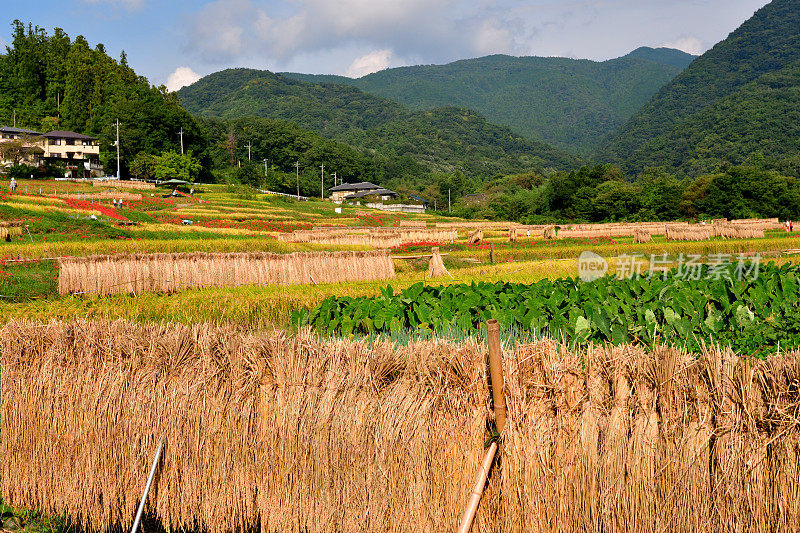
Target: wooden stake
(477, 490)
(499, 401)
(496, 374)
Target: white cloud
(493, 38)
(369, 63)
(182, 77)
(223, 30)
(324, 36)
(690, 45)
(217, 31)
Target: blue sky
(174, 42)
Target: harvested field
(300, 435)
(109, 274)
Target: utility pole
(248, 150)
(117, 143)
(449, 210)
(334, 179)
(181, 141)
(15, 118)
(297, 168)
(322, 182)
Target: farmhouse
(19, 145)
(353, 191)
(80, 153)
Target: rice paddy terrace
(315, 370)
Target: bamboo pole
(496, 374)
(499, 402)
(477, 490)
(140, 510)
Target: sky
(176, 42)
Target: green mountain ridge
(439, 140)
(569, 103)
(739, 99)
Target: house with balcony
(81, 153)
(19, 145)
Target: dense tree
(49, 81)
(172, 165)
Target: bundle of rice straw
(641, 236)
(475, 236)
(436, 266)
(268, 432)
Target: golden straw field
(298, 434)
(173, 272)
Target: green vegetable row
(754, 311)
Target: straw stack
(641, 235)
(120, 184)
(374, 237)
(104, 195)
(688, 233)
(436, 266)
(549, 233)
(299, 434)
(475, 236)
(9, 229)
(110, 274)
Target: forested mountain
(52, 82)
(331, 110)
(568, 103)
(401, 142)
(741, 99)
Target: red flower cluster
(371, 220)
(89, 206)
(414, 246)
(250, 224)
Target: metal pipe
(147, 488)
(477, 490)
(496, 373)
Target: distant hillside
(569, 103)
(741, 97)
(332, 110)
(442, 140)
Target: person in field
(12, 186)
